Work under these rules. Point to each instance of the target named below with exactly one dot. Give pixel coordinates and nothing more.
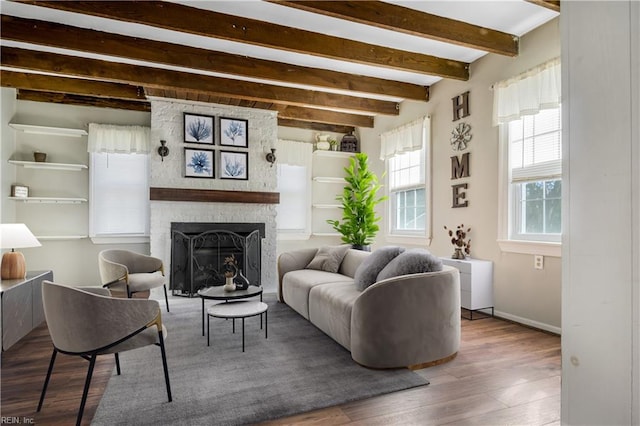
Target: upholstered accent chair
(87, 322)
(131, 272)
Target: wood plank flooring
(504, 374)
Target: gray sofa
(406, 321)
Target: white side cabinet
(476, 283)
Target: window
(119, 195)
(293, 210)
(535, 170)
(407, 193)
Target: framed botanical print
(198, 128)
(234, 132)
(198, 163)
(234, 165)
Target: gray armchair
(87, 324)
(131, 272)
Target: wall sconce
(163, 151)
(271, 157)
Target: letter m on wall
(460, 168)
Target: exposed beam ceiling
(320, 64)
(408, 21)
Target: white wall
(74, 262)
(520, 292)
(7, 147)
(601, 207)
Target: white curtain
(114, 139)
(527, 93)
(294, 153)
(408, 137)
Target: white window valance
(294, 153)
(114, 139)
(408, 137)
(527, 93)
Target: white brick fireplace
(167, 123)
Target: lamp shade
(17, 235)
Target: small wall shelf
(48, 166)
(327, 206)
(50, 200)
(45, 130)
(60, 237)
(327, 179)
(324, 153)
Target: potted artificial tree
(359, 220)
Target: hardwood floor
(504, 374)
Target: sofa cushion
(369, 269)
(414, 261)
(330, 307)
(329, 258)
(296, 286)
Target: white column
(601, 209)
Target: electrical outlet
(538, 261)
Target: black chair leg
(85, 392)
(166, 298)
(164, 365)
(117, 363)
(46, 381)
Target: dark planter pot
(363, 248)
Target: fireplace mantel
(213, 196)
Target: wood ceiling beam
(80, 100)
(206, 23)
(319, 127)
(549, 4)
(91, 41)
(167, 79)
(409, 21)
(50, 83)
(284, 111)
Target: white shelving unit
(48, 166)
(47, 231)
(46, 130)
(328, 182)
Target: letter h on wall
(460, 106)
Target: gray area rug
(297, 369)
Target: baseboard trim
(528, 322)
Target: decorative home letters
(461, 106)
(459, 169)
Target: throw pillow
(414, 261)
(329, 258)
(369, 269)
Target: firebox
(198, 251)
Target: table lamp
(13, 236)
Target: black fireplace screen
(198, 251)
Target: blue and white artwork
(234, 132)
(198, 128)
(234, 165)
(198, 163)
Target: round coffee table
(218, 293)
(238, 309)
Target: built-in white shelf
(326, 234)
(323, 153)
(327, 179)
(48, 166)
(45, 130)
(50, 200)
(60, 237)
(327, 206)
